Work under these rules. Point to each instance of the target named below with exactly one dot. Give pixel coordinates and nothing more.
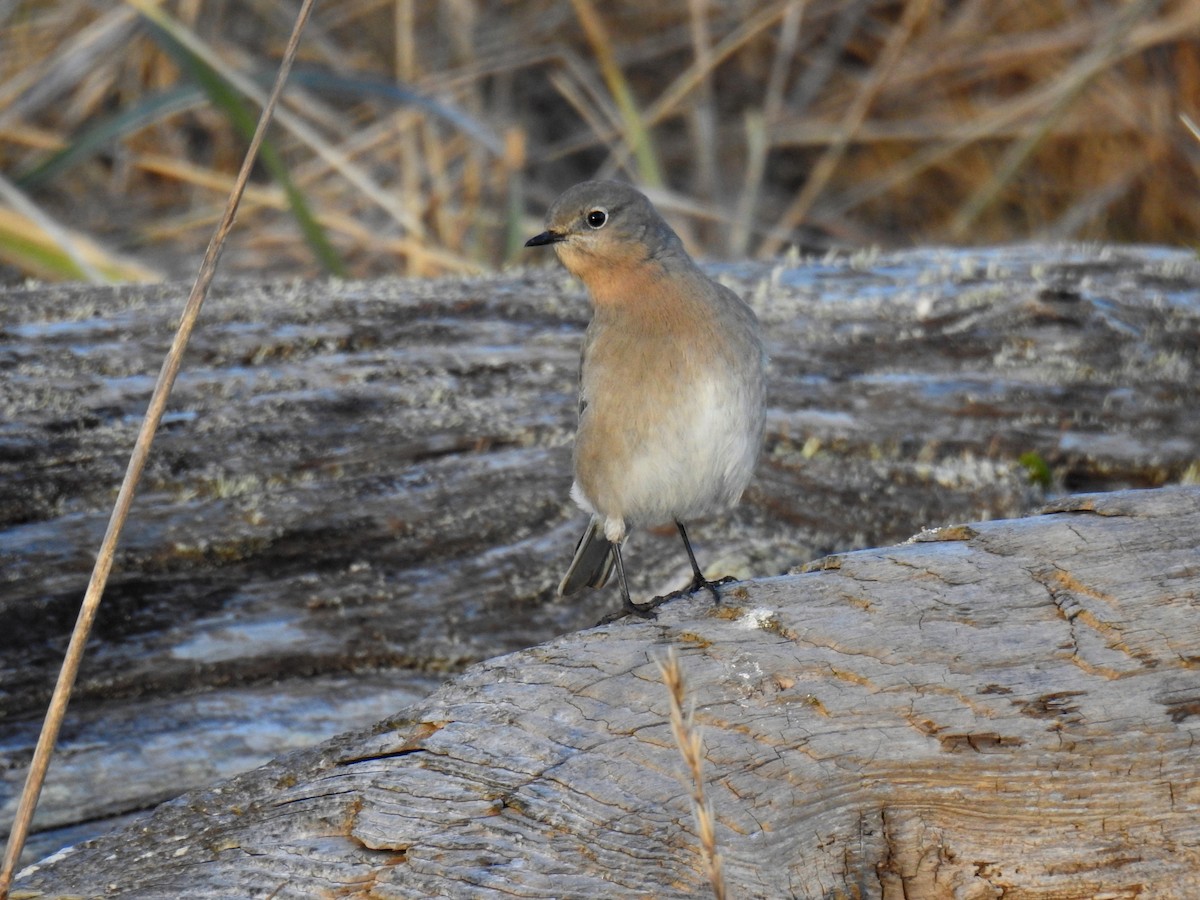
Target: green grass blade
(225, 98)
(103, 132)
(35, 257)
(636, 132)
(25, 246)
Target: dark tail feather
(593, 561)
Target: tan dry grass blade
(636, 134)
(1066, 90)
(32, 241)
(691, 748)
(914, 12)
(1009, 119)
(296, 125)
(703, 124)
(688, 80)
(273, 198)
(61, 695)
(1190, 125)
(968, 130)
(755, 124)
(35, 82)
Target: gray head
(606, 223)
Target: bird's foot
(645, 610)
(629, 608)
(700, 583)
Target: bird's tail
(593, 561)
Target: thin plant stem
(137, 461)
(822, 172)
(691, 748)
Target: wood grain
(1005, 709)
(361, 488)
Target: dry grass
(756, 125)
(691, 748)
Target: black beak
(546, 237)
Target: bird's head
(598, 225)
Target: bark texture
(361, 488)
(1004, 709)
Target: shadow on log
(1006, 708)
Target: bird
(671, 384)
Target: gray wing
(593, 561)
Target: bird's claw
(700, 583)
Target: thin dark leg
(698, 579)
(646, 610)
(697, 575)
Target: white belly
(697, 461)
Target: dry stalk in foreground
(48, 736)
(687, 737)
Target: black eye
(596, 218)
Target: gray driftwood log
(1003, 709)
(361, 488)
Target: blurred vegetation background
(427, 137)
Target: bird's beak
(546, 237)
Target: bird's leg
(698, 579)
(645, 610)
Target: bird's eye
(596, 218)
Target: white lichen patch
(761, 618)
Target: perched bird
(671, 383)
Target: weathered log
(362, 487)
(1006, 708)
